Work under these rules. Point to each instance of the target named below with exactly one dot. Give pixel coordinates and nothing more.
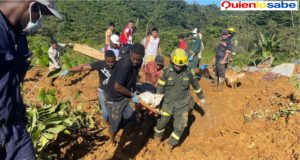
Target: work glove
(135, 98)
(64, 73)
(190, 58)
(203, 66)
(203, 101)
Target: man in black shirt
(105, 71)
(121, 89)
(222, 54)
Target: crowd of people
(119, 78)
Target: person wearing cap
(195, 48)
(202, 45)
(113, 46)
(224, 37)
(227, 35)
(109, 32)
(153, 70)
(17, 19)
(221, 57)
(104, 69)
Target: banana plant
(46, 122)
(51, 118)
(47, 96)
(267, 46)
(41, 55)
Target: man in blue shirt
(17, 18)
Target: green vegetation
(86, 22)
(51, 118)
(268, 115)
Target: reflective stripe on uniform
(175, 136)
(161, 82)
(164, 113)
(186, 79)
(193, 72)
(198, 90)
(158, 131)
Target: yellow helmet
(231, 30)
(179, 57)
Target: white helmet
(115, 39)
(195, 30)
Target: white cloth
(152, 47)
(202, 46)
(115, 50)
(54, 55)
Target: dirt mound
(217, 130)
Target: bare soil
(216, 131)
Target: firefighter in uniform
(175, 84)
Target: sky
(205, 2)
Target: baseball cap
(114, 39)
(50, 4)
(195, 30)
(159, 60)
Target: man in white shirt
(152, 46)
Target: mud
(216, 131)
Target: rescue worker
(17, 18)
(195, 48)
(222, 54)
(175, 85)
(230, 42)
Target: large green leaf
(49, 136)
(56, 129)
(42, 142)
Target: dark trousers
(195, 62)
(15, 142)
(220, 70)
(120, 114)
(125, 49)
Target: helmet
(195, 31)
(179, 57)
(114, 39)
(231, 30)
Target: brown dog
(232, 78)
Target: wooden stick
(148, 107)
(88, 51)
